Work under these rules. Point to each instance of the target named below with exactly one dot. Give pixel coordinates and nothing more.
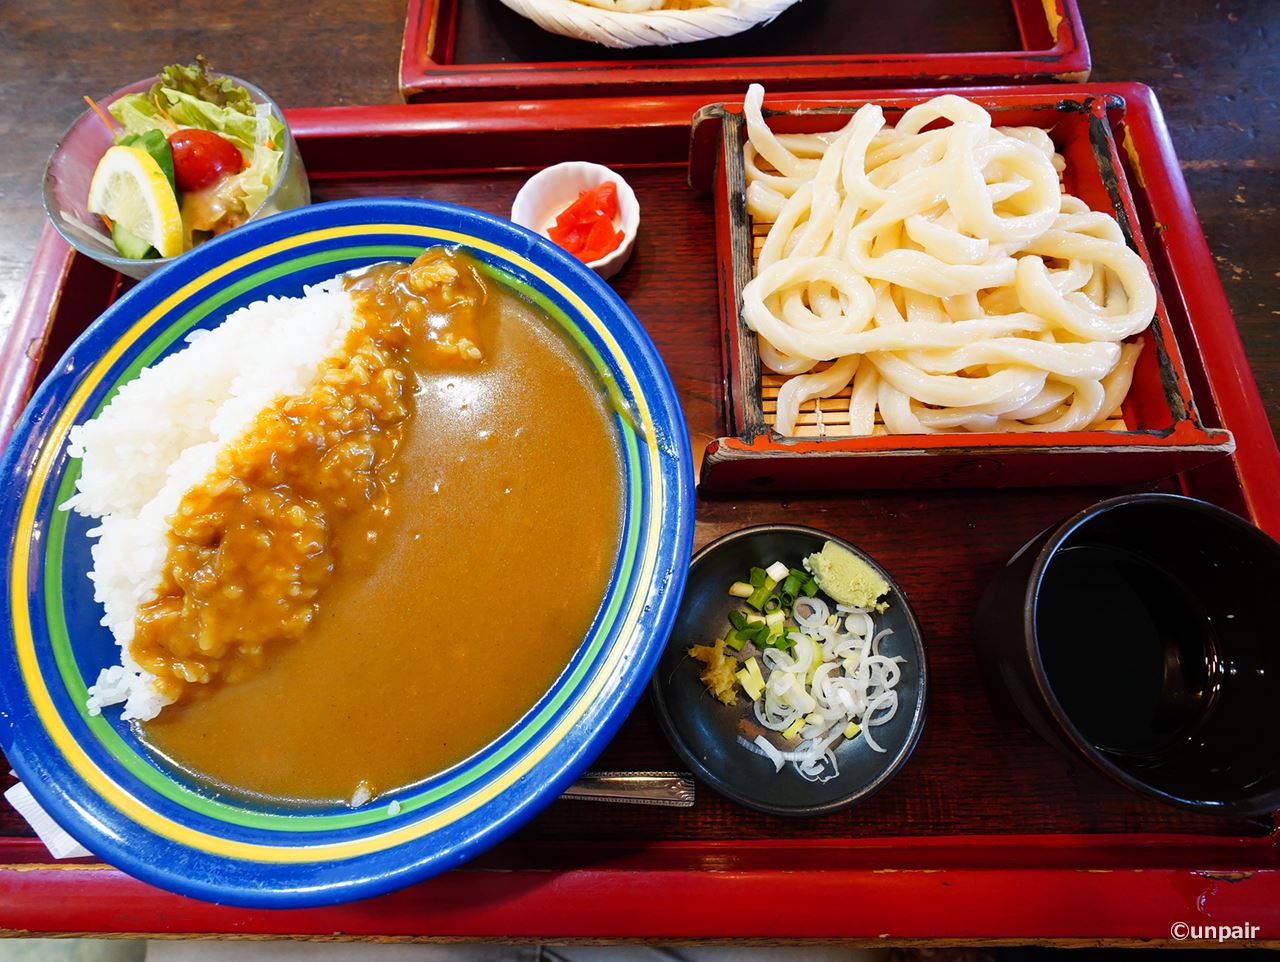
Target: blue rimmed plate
(92, 774)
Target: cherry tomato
(201, 157)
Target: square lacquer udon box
(1155, 432)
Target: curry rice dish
(348, 539)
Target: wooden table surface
(1215, 67)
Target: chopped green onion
(740, 589)
(772, 604)
(759, 597)
(786, 642)
(777, 571)
(734, 640)
(749, 684)
(738, 619)
(775, 618)
(798, 573)
(757, 577)
(753, 617)
(752, 680)
(810, 588)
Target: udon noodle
(946, 274)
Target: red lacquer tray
(986, 834)
(478, 49)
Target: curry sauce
(386, 571)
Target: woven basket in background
(649, 28)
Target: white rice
(160, 436)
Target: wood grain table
(1213, 65)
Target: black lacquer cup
(1142, 635)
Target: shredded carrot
(160, 107)
(101, 114)
(106, 120)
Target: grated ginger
(720, 675)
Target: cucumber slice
(155, 144)
(130, 245)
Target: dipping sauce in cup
(1138, 635)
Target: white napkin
(58, 842)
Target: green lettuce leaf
(256, 179)
(264, 166)
(188, 110)
(137, 114)
(194, 79)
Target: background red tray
(986, 834)
(479, 49)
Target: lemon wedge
(130, 188)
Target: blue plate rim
(604, 719)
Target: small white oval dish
(550, 191)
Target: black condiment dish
(1139, 636)
(704, 732)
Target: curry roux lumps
(252, 546)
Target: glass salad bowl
(75, 158)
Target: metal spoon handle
(672, 789)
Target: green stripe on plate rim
(135, 764)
